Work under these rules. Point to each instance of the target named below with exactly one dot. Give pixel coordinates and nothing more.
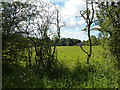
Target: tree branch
(83, 50)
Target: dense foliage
(68, 42)
(11, 36)
(109, 21)
(95, 41)
(30, 57)
(73, 74)
(22, 44)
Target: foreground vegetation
(73, 73)
(30, 59)
(72, 54)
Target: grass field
(72, 54)
(74, 73)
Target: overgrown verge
(95, 75)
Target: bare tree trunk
(90, 46)
(89, 21)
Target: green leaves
(109, 21)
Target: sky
(69, 9)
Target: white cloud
(73, 7)
(68, 13)
(31, 1)
(58, 1)
(97, 27)
(81, 35)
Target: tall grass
(73, 73)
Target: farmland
(72, 54)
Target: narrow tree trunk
(90, 46)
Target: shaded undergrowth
(94, 75)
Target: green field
(102, 63)
(72, 54)
(74, 73)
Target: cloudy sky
(69, 9)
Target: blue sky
(69, 10)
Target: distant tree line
(76, 42)
(95, 41)
(67, 42)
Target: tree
(68, 42)
(94, 40)
(29, 24)
(38, 26)
(62, 42)
(11, 37)
(58, 25)
(88, 16)
(109, 20)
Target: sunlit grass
(72, 54)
